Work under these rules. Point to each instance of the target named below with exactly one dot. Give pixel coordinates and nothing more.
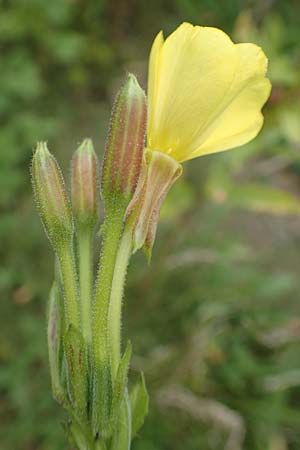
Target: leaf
(121, 438)
(107, 401)
(54, 343)
(120, 385)
(102, 401)
(76, 369)
(139, 401)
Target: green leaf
(107, 402)
(139, 401)
(120, 385)
(76, 370)
(121, 438)
(102, 401)
(54, 342)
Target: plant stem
(111, 237)
(122, 440)
(116, 296)
(85, 280)
(66, 259)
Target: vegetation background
(215, 322)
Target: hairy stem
(66, 259)
(116, 296)
(111, 236)
(85, 281)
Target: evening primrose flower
(205, 95)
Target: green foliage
(218, 313)
(54, 334)
(76, 369)
(120, 384)
(139, 401)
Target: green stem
(116, 296)
(122, 439)
(85, 280)
(69, 277)
(111, 237)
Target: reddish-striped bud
(159, 173)
(125, 143)
(51, 195)
(84, 168)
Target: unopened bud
(125, 144)
(159, 173)
(84, 168)
(51, 196)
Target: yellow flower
(205, 93)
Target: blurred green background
(215, 321)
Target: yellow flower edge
(205, 93)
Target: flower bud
(51, 196)
(84, 167)
(159, 173)
(125, 143)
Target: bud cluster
(88, 373)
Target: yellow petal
(205, 92)
(196, 69)
(154, 73)
(239, 118)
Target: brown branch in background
(196, 255)
(192, 256)
(280, 336)
(281, 381)
(205, 410)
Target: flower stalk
(56, 215)
(120, 173)
(84, 195)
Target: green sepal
(54, 335)
(76, 370)
(159, 172)
(139, 401)
(120, 385)
(148, 253)
(102, 401)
